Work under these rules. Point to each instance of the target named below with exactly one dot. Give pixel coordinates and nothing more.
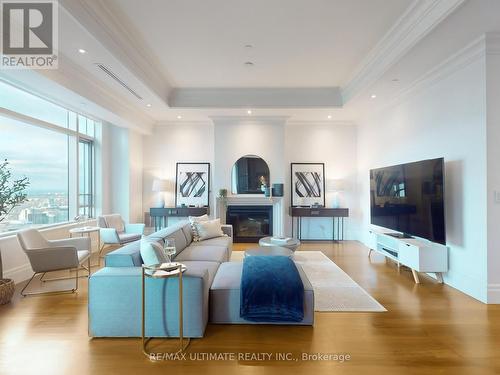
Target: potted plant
(12, 194)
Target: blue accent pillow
(152, 252)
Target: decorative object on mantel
(192, 184)
(277, 190)
(336, 186)
(307, 184)
(159, 187)
(12, 194)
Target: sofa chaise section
(115, 291)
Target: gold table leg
(183, 343)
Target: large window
(54, 148)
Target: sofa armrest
(109, 235)
(53, 259)
(135, 228)
(80, 243)
(227, 229)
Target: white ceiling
(296, 43)
(329, 56)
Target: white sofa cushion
(208, 229)
(196, 219)
(152, 252)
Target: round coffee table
(269, 250)
(292, 244)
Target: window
(54, 148)
(86, 180)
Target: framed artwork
(308, 184)
(192, 184)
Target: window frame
(74, 139)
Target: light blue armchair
(115, 232)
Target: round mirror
(250, 175)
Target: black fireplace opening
(250, 223)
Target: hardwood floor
(429, 328)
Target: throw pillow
(152, 252)
(208, 229)
(197, 219)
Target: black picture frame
(182, 167)
(322, 185)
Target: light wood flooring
(428, 329)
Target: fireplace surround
(250, 223)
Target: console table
(337, 215)
(160, 215)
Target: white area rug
(334, 290)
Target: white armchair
(115, 232)
(48, 256)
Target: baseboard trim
(19, 273)
(494, 293)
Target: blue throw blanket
(271, 290)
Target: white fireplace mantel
(255, 200)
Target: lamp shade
(160, 185)
(335, 185)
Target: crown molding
(269, 120)
(420, 18)
(107, 25)
(321, 97)
(320, 123)
(459, 60)
(165, 123)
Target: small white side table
(82, 231)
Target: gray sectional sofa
(115, 290)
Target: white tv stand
(417, 254)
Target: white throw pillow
(208, 229)
(197, 219)
(152, 252)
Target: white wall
(335, 145)
(446, 119)
(169, 144)
(235, 138)
(278, 143)
(493, 139)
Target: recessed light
(148, 105)
(249, 112)
(329, 117)
(249, 63)
(82, 51)
(179, 117)
(373, 96)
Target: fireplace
(250, 223)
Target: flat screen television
(409, 198)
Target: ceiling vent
(112, 75)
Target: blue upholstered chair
(115, 232)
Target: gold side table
(163, 271)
